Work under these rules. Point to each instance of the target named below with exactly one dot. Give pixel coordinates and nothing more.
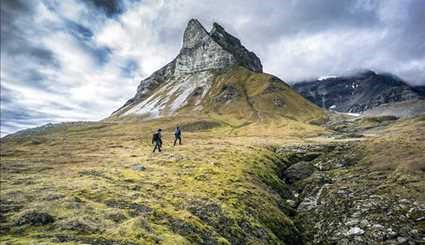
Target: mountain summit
(357, 93)
(214, 74)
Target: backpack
(155, 137)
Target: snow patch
(326, 77)
(173, 95)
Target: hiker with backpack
(156, 139)
(178, 136)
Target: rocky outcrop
(231, 44)
(203, 54)
(35, 218)
(340, 201)
(356, 93)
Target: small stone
(356, 214)
(420, 218)
(291, 203)
(358, 239)
(138, 167)
(378, 226)
(401, 240)
(405, 201)
(364, 223)
(351, 222)
(355, 231)
(390, 233)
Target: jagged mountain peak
(194, 34)
(216, 49)
(214, 73)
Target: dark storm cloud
(286, 18)
(85, 39)
(80, 60)
(79, 31)
(110, 7)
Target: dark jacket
(156, 138)
(178, 132)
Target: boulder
(35, 218)
(298, 171)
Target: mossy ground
(221, 186)
(210, 188)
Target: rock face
(357, 93)
(202, 56)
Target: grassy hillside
(87, 177)
(99, 183)
(258, 97)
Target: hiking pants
(157, 146)
(179, 138)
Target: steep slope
(214, 74)
(356, 93)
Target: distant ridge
(357, 93)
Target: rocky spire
(194, 34)
(215, 50)
(201, 55)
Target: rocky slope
(409, 108)
(357, 93)
(214, 74)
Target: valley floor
(357, 181)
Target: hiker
(156, 139)
(178, 136)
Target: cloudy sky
(69, 60)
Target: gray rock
(291, 203)
(390, 233)
(378, 226)
(233, 45)
(34, 218)
(401, 240)
(351, 222)
(138, 167)
(298, 171)
(355, 231)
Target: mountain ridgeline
(358, 93)
(215, 75)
